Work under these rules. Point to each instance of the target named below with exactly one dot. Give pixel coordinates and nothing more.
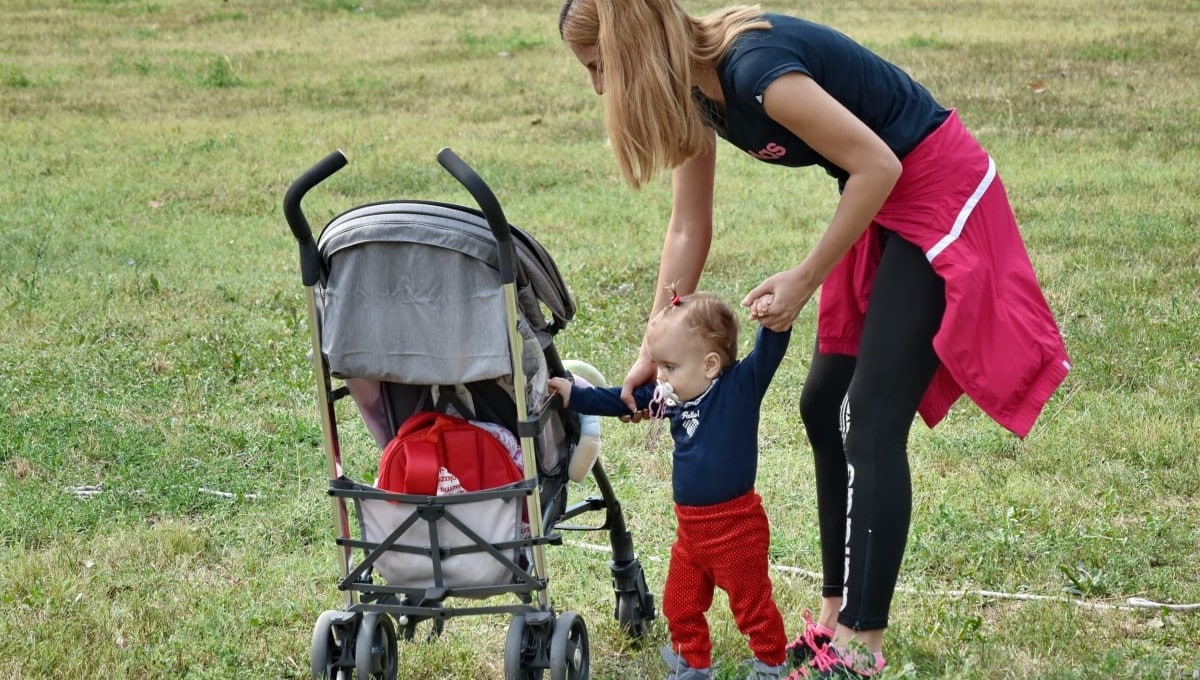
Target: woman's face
(590, 58)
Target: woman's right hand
(641, 373)
(777, 301)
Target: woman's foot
(809, 642)
(854, 663)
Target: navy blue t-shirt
(880, 94)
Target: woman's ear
(712, 365)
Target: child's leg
(741, 569)
(687, 595)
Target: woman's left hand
(777, 301)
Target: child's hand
(761, 305)
(776, 302)
(562, 387)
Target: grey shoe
(679, 668)
(761, 671)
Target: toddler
(712, 401)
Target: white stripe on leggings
(963, 214)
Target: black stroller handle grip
(487, 201)
(310, 259)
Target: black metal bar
(490, 206)
(311, 269)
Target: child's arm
(600, 401)
(762, 361)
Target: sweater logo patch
(690, 420)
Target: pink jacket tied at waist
(998, 342)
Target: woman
(926, 288)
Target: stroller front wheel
(632, 614)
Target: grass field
(164, 511)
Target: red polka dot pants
(722, 546)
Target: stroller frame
(360, 640)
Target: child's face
(681, 358)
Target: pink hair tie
(675, 300)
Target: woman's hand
(777, 301)
(642, 372)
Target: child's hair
(707, 316)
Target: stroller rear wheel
(569, 653)
(329, 650)
(375, 648)
(521, 650)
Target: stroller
(418, 307)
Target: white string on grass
(91, 490)
(1130, 604)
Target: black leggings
(875, 398)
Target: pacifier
(666, 392)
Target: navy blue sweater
(716, 434)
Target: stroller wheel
(327, 647)
(520, 649)
(569, 653)
(375, 648)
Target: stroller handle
(487, 201)
(310, 259)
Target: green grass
(155, 334)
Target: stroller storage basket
(463, 545)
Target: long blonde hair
(650, 51)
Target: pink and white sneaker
(809, 642)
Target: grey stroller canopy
(438, 262)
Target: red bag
(429, 441)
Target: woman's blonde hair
(649, 51)
(706, 316)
